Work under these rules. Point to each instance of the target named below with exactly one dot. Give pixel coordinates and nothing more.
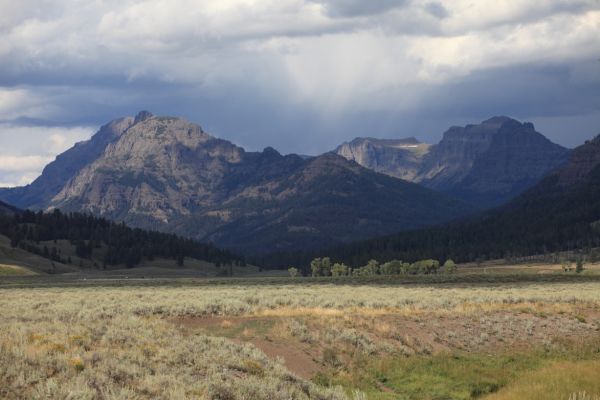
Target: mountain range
(485, 165)
(167, 174)
(560, 213)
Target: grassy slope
(534, 375)
(562, 378)
(17, 262)
(14, 270)
(20, 262)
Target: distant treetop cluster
(324, 267)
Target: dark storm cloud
(527, 92)
(436, 9)
(354, 8)
(299, 75)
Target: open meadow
(301, 339)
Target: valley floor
(283, 339)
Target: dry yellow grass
(99, 342)
(559, 381)
(290, 300)
(500, 267)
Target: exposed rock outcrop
(485, 164)
(167, 173)
(400, 158)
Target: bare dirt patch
(300, 361)
(311, 344)
(299, 358)
(439, 333)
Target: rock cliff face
(490, 163)
(559, 213)
(168, 174)
(156, 168)
(450, 162)
(485, 164)
(398, 158)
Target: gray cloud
(28, 146)
(354, 8)
(437, 10)
(299, 75)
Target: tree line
(114, 243)
(548, 219)
(324, 267)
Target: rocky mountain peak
(399, 158)
(270, 152)
(491, 162)
(329, 161)
(142, 116)
(155, 135)
(504, 123)
(486, 163)
(166, 173)
(499, 120)
(487, 130)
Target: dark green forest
(117, 243)
(547, 219)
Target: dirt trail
(300, 362)
(298, 358)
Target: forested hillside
(560, 213)
(106, 244)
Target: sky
(301, 76)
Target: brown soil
(299, 358)
(300, 361)
(416, 334)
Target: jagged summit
(142, 116)
(270, 151)
(559, 213)
(485, 164)
(166, 173)
(399, 158)
(499, 119)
